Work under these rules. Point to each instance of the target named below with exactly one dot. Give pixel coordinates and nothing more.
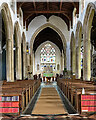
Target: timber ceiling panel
(61, 9)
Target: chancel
(48, 59)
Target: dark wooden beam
(47, 7)
(34, 4)
(61, 5)
(19, 4)
(50, 11)
(46, 12)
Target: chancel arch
(54, 28)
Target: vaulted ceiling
(61, 9)
(48, 34)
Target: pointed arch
(52, 27)
(87, 45)
(78, 37)
(17, 42)
(8, 24)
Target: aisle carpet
(49, 102)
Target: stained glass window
(48, 54)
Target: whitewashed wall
(37, 22)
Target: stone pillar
(18, 63)
(0, 63)
(62, 61)
(78, 63)
(8, 60)
(73, 60)
(31, 64)
(12, 61)
(24, 64)
(86, 60)
(28, 64)
(0, 47)
(65, 61)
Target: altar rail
(72, 88)
(15, 96)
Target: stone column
(24, 64)
(12, 61)
(0, 47)
(73, 60)
(86, 60)
(8, 59)
(62, 61)
(31, 64)
(18, 63)
(65, 60)
(24, 60)
(28, 64)
(78, 63)
(0, 62)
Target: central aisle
(49, 102)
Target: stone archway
(40, 29)
(17, 36)
(24, 56)
(73, 53)
(78, 38)
(52, 27)
(87, 45)
(6, 15)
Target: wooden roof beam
(61, 5)
(47, 8)
(50, 11)
(34, 4)
(46, 12)
(19, 5)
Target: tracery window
(48, 54)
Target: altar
(47, 74)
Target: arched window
(48, 54)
